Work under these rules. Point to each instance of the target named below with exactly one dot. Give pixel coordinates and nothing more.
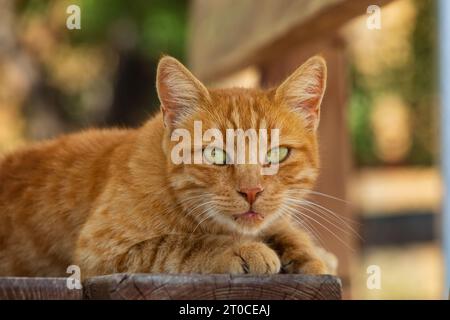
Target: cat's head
(211, 184)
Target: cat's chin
(249, 222)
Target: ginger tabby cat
(113, 200)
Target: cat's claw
(313, 266)
(253, 258)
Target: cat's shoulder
(81, 143)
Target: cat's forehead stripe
(243, 110)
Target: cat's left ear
(178, 90)
(303, 90)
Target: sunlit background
(54, 80)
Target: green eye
(215, 156)
(277, 155)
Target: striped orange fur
(113, 201)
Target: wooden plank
(396, 190)
(228, 35)
(401, 229)
(212, 287)
(175, 287)
(22, 288)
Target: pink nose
(250, 193)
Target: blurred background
(380, 119)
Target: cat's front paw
(252, 257)
(300, 264)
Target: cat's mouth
(249, 216)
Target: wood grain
(212, 287)
(18, 288)
(176, 287)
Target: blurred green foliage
(415, 82)
(160, 25)
(120, 42)
(361, 133)
(422, 89)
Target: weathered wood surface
(18, 288)
(213, 287)
(175, 287)
(228, 35)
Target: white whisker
(304, 224)
(344, 220)
(325, 227)
(327, 219)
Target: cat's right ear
(179, 91)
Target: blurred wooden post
(277, 36)
(444, 24)
(334, 140)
